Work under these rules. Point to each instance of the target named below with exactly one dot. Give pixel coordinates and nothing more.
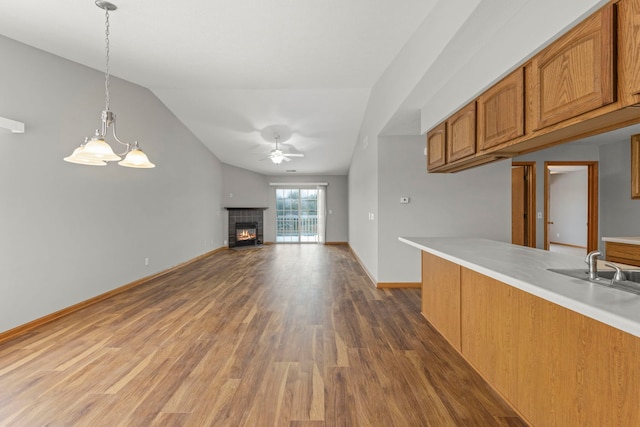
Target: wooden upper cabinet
(501, 111)
(629, 50)
(436, 146)
(461, 133)
(575, 74)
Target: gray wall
(568, 207)
(619, 213)
(473, 203)
(71, 232)
(250, 189)
(363, 204)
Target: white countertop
(526, 269)
(627, 240)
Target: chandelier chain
(106, 68)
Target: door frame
(530, 200)
(592, 200)
(299, 221)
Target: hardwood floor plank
(130, 375)
(284, 335)
(269, 397)
(340, 403)
(171, 420)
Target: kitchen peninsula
(562, 351)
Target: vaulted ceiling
(237, 72)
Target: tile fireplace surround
(245, 215)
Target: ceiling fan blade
(294, 155)
(286, 159)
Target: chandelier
(95, 151)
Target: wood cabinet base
(557, 367)
(623, 253)
(441, 296)
(554, 366)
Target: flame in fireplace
(245, 235)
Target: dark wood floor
(284, 335)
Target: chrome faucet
(592, 261)
(618, 276)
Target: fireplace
(249, 215)
(246, 233)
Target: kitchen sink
(631, 284)
(631, 275)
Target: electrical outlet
(404, 199)
(146, 261)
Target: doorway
(297, 215)
(576, 210)
(523, 203)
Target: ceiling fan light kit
(95, 151)
(277, 155)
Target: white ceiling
(236, 71)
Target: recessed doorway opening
(571, 206)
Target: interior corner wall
(244, 188)
(387, 96)
(72, 232)
(363, 204)
(472, 203)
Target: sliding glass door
(297, 215)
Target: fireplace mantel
(244, 209)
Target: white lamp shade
(136, 159)
(98, 150)
(76, 158)
(277, 157)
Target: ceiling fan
(277, 155)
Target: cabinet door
(441, 296)
(436, 143)
(501, 111)
(629, 50)
(575, 74)
(461, 133)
